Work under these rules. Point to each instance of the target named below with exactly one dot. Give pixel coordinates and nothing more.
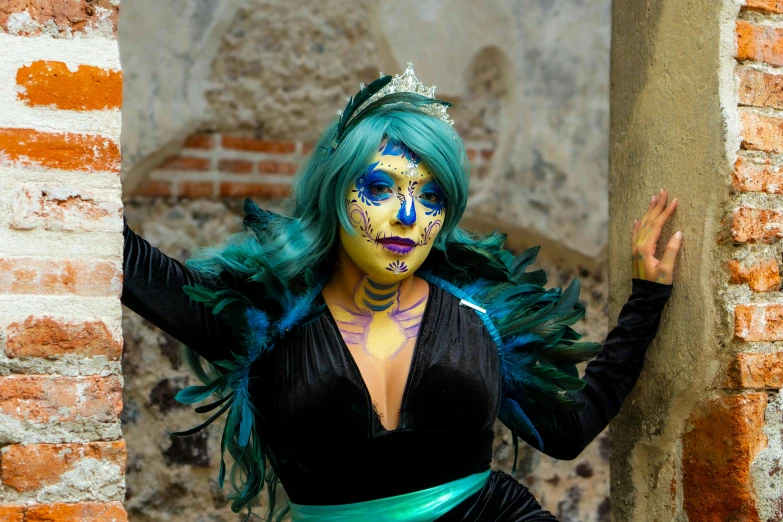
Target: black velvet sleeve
(612, 375)
(152, 287)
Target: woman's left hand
(645, 239)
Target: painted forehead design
(398, 149)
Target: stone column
(697, 109)
(62, 456)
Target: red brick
(57, 150)
(235, 166)
(200, 141)
(56, 399)
(472, 154)
(250, 190)
(81, 512)
(30, 467)
(752, 225)
(53, 84)
(153, 188)
(68, 16)
(761, 132)
(759, 42)
(64, 208)
(85, 277)
(753, 323)
(307, 147)
(12, 513)
(759, 88)
(258, 145)
(753, 176)
(49, 337)
(486, 154)
(757, 371)
(763, 276)
(196, 189)
(766, 6)
(186, 163)
(277, 167)
(726, 435)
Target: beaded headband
(399, 86)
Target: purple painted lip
(398, 245)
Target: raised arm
(611, 376)
(152, 287)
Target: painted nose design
(407, 212)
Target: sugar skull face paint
(397, 209)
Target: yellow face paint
(396, 209)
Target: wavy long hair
(304, 241)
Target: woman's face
(396, 209)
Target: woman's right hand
(645, 239)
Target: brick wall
(239, 166)
(731, 467)
(62, 457)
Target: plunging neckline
(362, 383)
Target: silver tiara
(408, 83)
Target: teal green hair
(304, 241)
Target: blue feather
(297, 312)
(569, 298)
(521, 340)
(194, 394)
(246, 424)
(517, 417)
(257, 320)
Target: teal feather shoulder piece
(531, 326)
(259, 314)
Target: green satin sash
(419, 506)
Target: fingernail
(678, 235)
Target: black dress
(326, 441)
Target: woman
(365, 345)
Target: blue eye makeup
(374, 186)
(432, 197)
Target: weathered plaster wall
(550, 170)
(527, 78)
(667, 130)
(167, 49)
